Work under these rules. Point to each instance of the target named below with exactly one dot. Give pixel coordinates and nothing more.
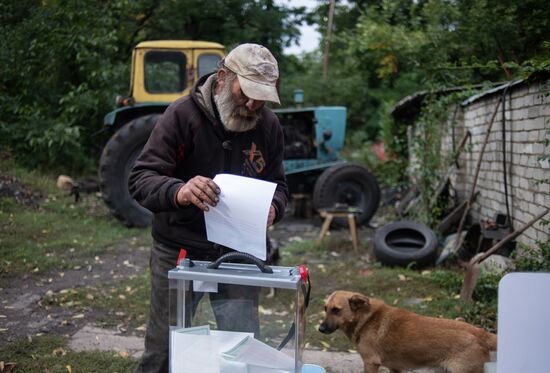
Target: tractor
(163, 71)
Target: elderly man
(222, 127)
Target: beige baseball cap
(257, 71)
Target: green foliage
(58, 78)
(63, 62)
(384, 51)
(533, 259)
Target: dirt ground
(10, 187)
(22, 312)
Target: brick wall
(527, 125)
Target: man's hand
(200, 191)
(271, 216)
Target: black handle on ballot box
(251, 259)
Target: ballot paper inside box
(236, 318)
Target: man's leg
(236, 308)
(155, 357)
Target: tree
(63, 61)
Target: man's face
(238, 113)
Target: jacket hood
(203, 95)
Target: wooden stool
(331, 213)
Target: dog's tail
(489, 341)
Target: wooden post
(458, 241)
(473, 270)
(327, 41)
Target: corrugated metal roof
(491, 91)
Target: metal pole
(327, 40)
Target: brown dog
(401, 340)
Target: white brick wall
(527, 125)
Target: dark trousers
(235, 307)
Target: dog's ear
(358, 301)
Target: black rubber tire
(115, 164)
(404, 242)
(349, 184)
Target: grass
(61, 234)
(333, 266)
(51, 354)
(124, 305)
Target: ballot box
(237, 315)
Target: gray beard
(234, 118)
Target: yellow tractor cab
(162, 72)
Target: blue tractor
(163, 71)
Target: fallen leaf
(69, 369)
(7, 367)
(428, 299)
(123, 354)
(264, 311)
(325, 344)
(426, 273)
(59, 352)
(3, 330)
(142, 328)
(78, 316)
(365, 272)
(351, 351)
(402, 277)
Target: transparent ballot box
(236, 318)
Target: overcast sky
(310, 38)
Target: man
(222, 127)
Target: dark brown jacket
(189, 140)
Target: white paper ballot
(256, 353)
(229, 340)
(192, 350)
(239, 220)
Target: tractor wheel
(349, 184)
(117, 160)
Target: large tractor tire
(117, 160)
(348, 184)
